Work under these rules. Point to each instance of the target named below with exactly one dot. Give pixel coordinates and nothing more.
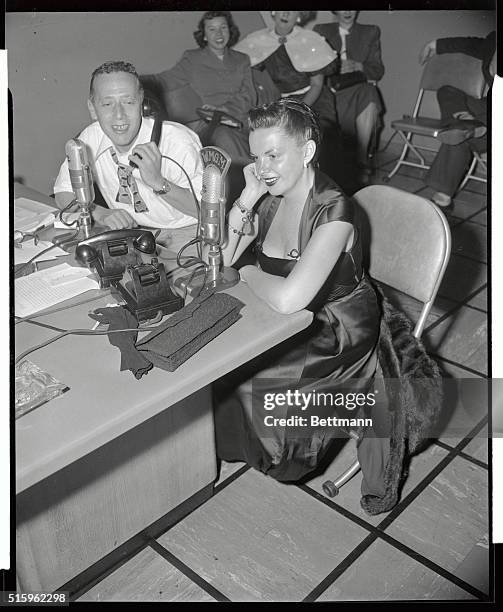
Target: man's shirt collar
(143, 136)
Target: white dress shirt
(177, 141)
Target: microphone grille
(212, 184)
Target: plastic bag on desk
(34, 387)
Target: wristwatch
(164, 189)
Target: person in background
(295, 59)
(157, 193)
(308, 246)
(465, 117)
(221, 77)
(357, 101)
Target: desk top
(103, 402)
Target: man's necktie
(128, 189)
(343, 33)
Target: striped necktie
(128, 189)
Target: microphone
(82, 182)
(216, 163)
(213, 203)
(80, 171)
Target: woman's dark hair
(295, 118)
(233, 29)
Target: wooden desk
(111, 456)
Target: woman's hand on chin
(254, 187)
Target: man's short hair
(109, 67)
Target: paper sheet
(46, 288)
(30, 215)
(29, 250)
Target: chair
(409, 247)
(455, 69)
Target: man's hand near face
(148, 159)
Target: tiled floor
(259, 540)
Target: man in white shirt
(157, 193)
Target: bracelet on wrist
(247, 219)
(249, 214)
(236, 231)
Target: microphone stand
(85, 225)
(215, 275)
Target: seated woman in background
(358, 105)
(221, 77)
(295, 59)
(309, 255)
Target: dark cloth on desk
(175, 340)
(189, 329)
(118, 317)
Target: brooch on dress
(294, 254)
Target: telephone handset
(111, 252)
(154, 137)
(116, 256)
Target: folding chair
(454, 69)
(409, 244)
(479, 159)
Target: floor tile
(406, 183)
(479, 300)
(451, 370)
(470, 240)
(350, 494)
(390, 574)
(480, 217)
(260, 540)
(146, 577)
(465, 405)
(448, 519)
(227, 469)
(462, 338)
(479, 446)
(462, 278)
(464, 204)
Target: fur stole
(414, 390)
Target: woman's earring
(305, 164)
(298, 19)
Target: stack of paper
(29, 249)
(30, 215)
(46, 288)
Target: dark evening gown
(336, 353)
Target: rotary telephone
(116, 256)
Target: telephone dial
(116, 255)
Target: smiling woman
(222, 79)
(306, 238)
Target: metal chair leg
(331, 487)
